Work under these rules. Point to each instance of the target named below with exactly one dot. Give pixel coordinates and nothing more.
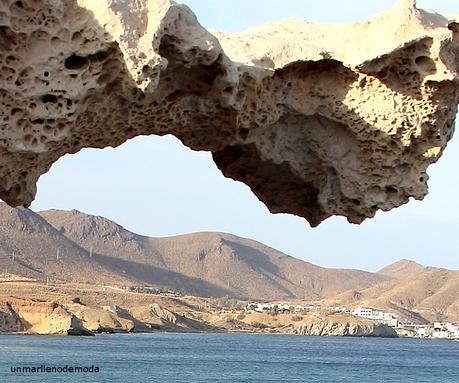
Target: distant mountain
(227, 264)
(432, 295)
(31, 247)
(403, 269)
(70, 246)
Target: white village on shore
(435, 330)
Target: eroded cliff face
(37, 317)
(318, 120)
(40, 317)
(354, 328)
(10, 322)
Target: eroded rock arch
(318, 120)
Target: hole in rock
(49, 98)
(426, 64)
(390, 189)
(76, 62)
(185, 183)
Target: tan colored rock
(157, 317)
(102, 319)
(37, 317)
(314, 324)
(325, 326)
(10, 322)
(318, 120)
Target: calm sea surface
(187, 358)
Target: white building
(363, 312)
(377, 315)
(407, 325)
(282, 307)
(337, 309)
(453, 329)
(445, 330)
(438, 326)
(423, 332)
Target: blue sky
(156, 186)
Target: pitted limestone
(318, 120)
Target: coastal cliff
(29, 316)
(313, 324)
(324, 327)
(38, 317)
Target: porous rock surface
(318, 120)
(37, 317)
(325, 327)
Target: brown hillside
(403, 269)
(434, 295)
(31, 247)
(236, 266)
(69, 246)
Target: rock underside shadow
(318, 120)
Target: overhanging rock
(318, 120)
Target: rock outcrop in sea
(324, 327)
(38, 317)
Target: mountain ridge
(204, 264)
(403, 269)
(71, 246)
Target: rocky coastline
(31, 317)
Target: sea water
(168, 357)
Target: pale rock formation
(102, 319)
(318, 120)
(326, 327)
(37, 317)
(314, 324)
(30, 316)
